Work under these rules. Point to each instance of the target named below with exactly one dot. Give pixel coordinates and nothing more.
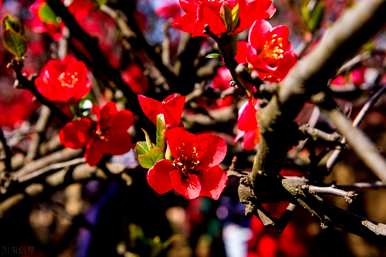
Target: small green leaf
(47, 15)
(148, 159)
(147, 139)
(141, 148)
(235, 16)
(213, 56)
(226, 15)
(13, 36)
(312, 13)
(160, 134)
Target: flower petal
(211, 149)
(189, 186)
(180, 140)
(158, 176)
(94, 152)
(247, 117)
(213, 182)
(173, 106)
(76, 133)
(258, 33)
(150, 107)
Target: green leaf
(147, 139)
(148, 159)
(47, 15)
(226, 15)
(312, 12)
(317, 17)
(13, 36)
(160, 134)
(235, 16)
(213, 56)
(141, 148)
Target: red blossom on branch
(194, 170)
(64, 80)
(134, 77)
(43, 20)
(171, 107)
(216, 14)
(106, 135)
(15, 107)
(248, 126)
(268, 51)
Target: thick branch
(310, 76)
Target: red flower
(63, 80)
(171, 107)
(44, 20)
(15, 106)
(356, 78)
(248, 126)
(107, 135)
(168, 10)
(269, 51)
(198, 13)
(222, 79)
(134, 77)
(81, 8)
(194, 170)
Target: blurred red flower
(63, 80)
(168, 10)
(44, 20)
(134, 77)
(15, 106)
(248, 126)
(198, 13)
(106, 135)
(194, 170)
(268, 51)
(222, 79)
(171, 107)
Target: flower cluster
(104, 134)
(268, 50)
(221, 15)
(194, 169)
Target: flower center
(273, 49)
(68, 79)
(186, 163)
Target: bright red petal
(247, 117)
(180, 140)
(94, 152)
(173, 106)
(213, 182)
(158, 176)
(258, 33)
(250, 139)
(76, 133)
(211, 149)
(150, 107)
(241, 51)
(189, 186)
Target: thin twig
(7, 151)
(358, 119)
